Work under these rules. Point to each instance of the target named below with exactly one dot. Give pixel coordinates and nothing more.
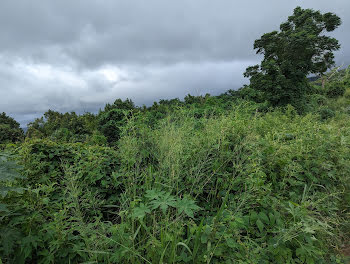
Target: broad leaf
(141, 211)
(163, 202)
(187, 206)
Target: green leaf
(46, 200)
(205, 234)
(8, 239)
(154, 194)
(4, 190)
(185, 246)
(231, 242)
(263, 217)
(272, 219)
(309, 230)
(260, 225)
(187, 206)
(141, 211)
(163, 202)
(3, 208)
(28, 244)
(253, 216)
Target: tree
(10, 130)
(113, 118)
(63, 126)
(128, 104)
(300, 48)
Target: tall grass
(239, 187)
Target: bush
(347, 93)
(66, 187)
(335, 89)
(326, 113)
(317, 100)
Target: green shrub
(326, 113)
(347, 93)
(67, 186)
(335, 89)
(317, 100)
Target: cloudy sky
(78, 55)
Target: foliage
(335, 90)
(326, 113)
(10, 130)
(48, 220)
(113, 118)
(291, 54)
(67, 127)
(238, 186)
(8, 175)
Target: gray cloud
(40, 88)
(77, 55)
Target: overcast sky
(78, 55)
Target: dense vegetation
(10, 130)
(290, 55)
(210, 179)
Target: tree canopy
(10, 130)
(112, 118)
(300, 48)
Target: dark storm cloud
(77, 55)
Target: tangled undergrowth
(239, 187)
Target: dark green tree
(128, 104)
(63, 126)
(300, 48)
(10, 130)
(113, 118)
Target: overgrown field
(208, 180)
(242, 187)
